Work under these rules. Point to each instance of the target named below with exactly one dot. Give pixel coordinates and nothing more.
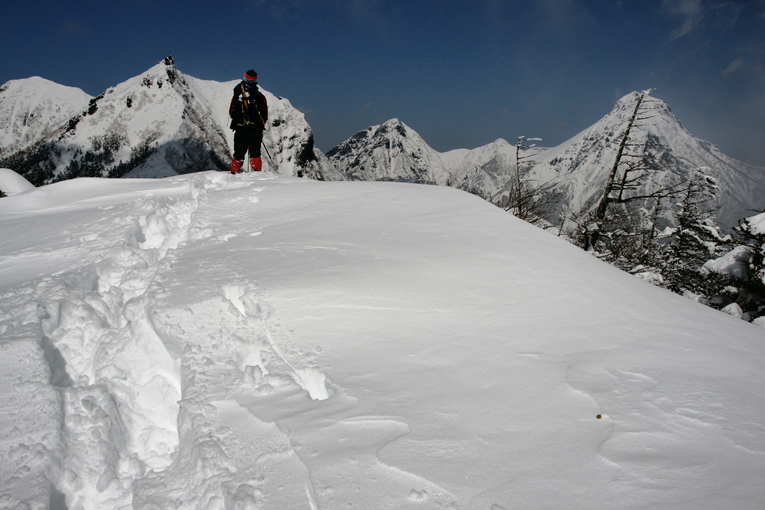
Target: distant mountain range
(164, 123)
(575, 171)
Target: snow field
(263, 342)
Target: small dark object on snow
(598, 417)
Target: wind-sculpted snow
(12, 183)
(152, 393)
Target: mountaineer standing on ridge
(249, 114)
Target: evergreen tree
(696, 239)
(754, 239)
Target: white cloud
(734, 66)
(691, 13)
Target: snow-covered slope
(485, 171)
(32, 109)
(579, 167)
(261, 341)
(158, 124)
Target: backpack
(245, 109)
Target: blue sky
(462, 74)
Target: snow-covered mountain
(394, 151)
(389, 151)
(576, 170)
(32, 110)
(157, 124)
(210, 341)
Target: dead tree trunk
(603, 205)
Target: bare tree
(624, 155)
(632, 165)
(525, 201)
(517, 206)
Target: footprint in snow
(418, 495)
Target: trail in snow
(204, 404)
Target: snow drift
(12, 183)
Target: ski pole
(263, 123)
(268, 154)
